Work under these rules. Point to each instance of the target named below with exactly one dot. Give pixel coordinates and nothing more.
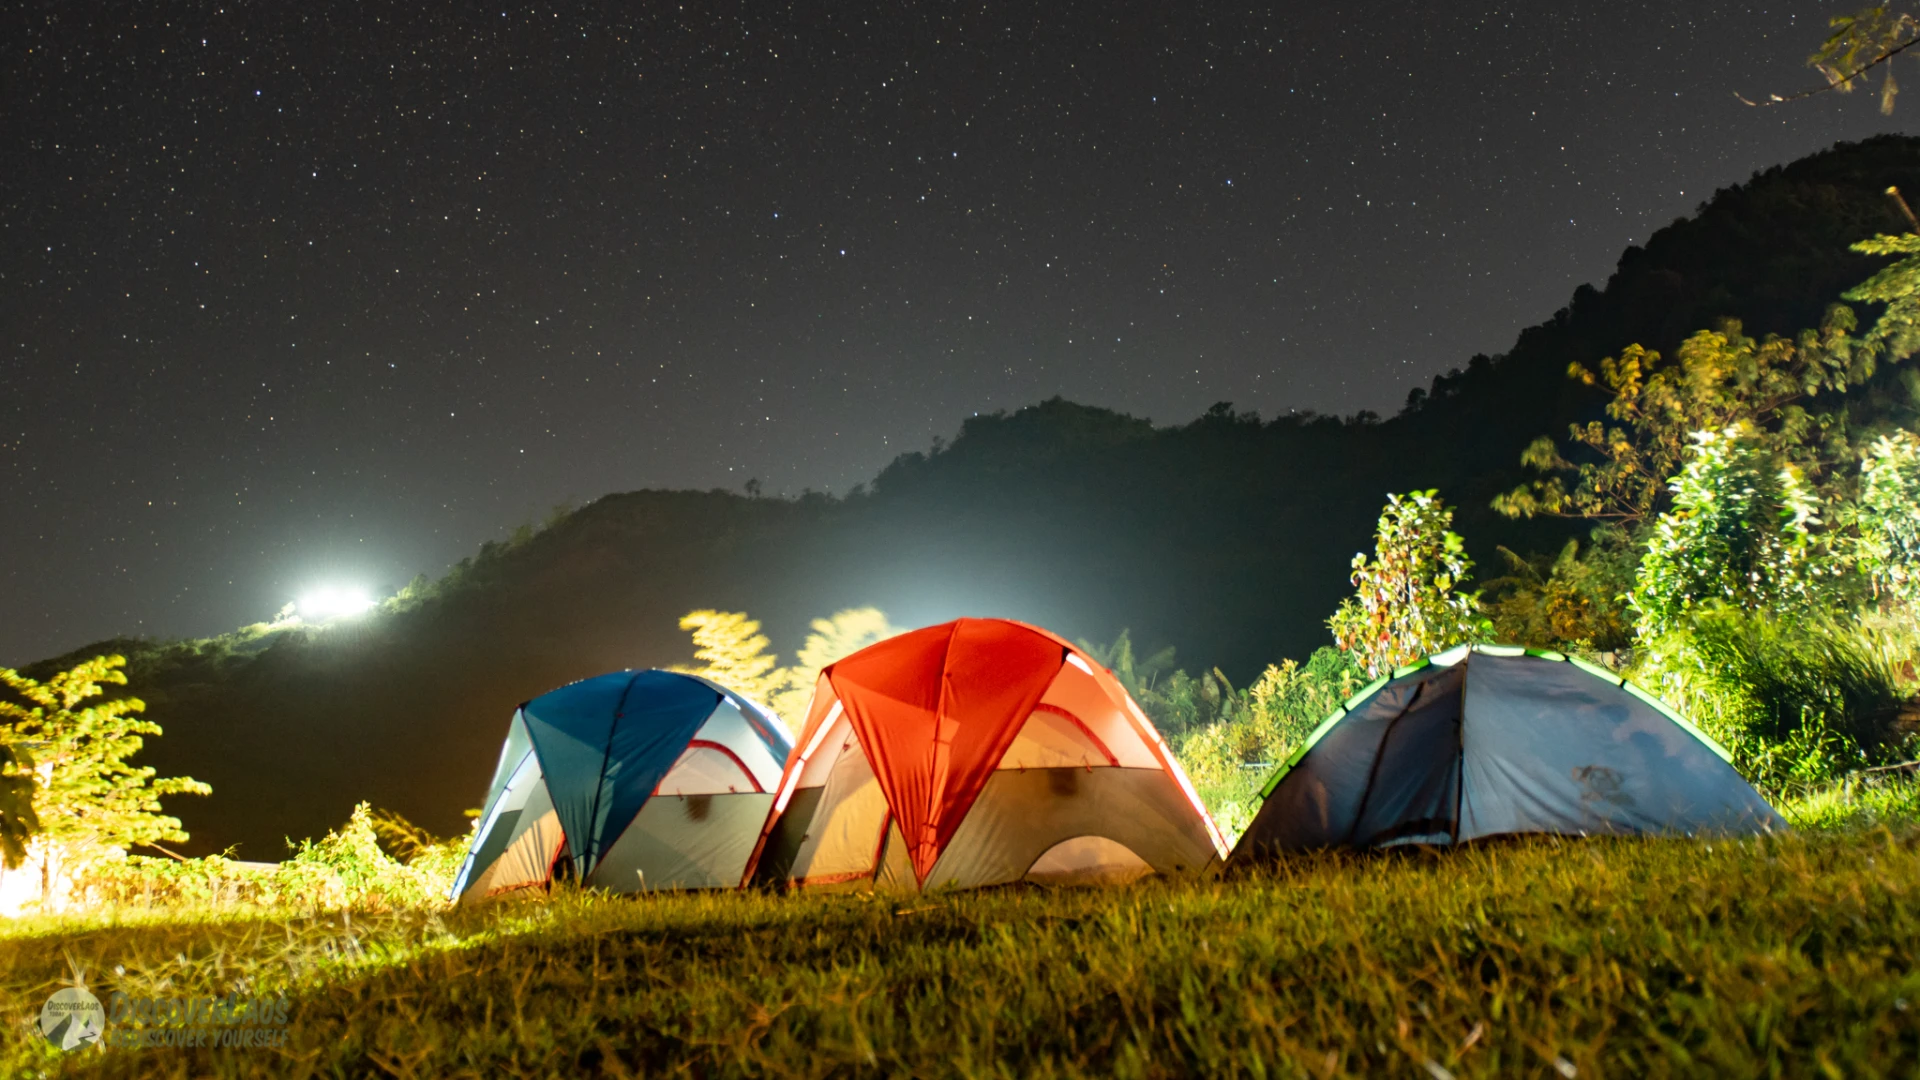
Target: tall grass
(1858, 801)
(1799, 702)
(1782, 956)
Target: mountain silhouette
(1228, 537)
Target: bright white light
(334, 602)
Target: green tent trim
(1301, 751)
(1685, 724)
(1592, 668)
(1452, 656)
(1367, 691)
(1503, 650)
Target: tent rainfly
(975, 753)
(634, 781)
(1487, 740)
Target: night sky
(296, 294)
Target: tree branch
(1776, 99)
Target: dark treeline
(1228, 537)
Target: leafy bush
(1229, 740)
(1887, 516)
(1405, 604)
(347, 868)
(1742, 531)
(143, 881)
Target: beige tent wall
(842, 841)
(528, 859)
(684, 842)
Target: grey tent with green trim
(1489, 740)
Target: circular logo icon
(72, 1018)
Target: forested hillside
(1228, 537)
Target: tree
(735, 654)
(1138, 675)
(1862, 41)
(1785, 397)
(1571, 601)
(18, 822)
(1407, 601)
(841, 634)
(732, 651)
(1887, 518)
(1742, 532)
(1718, 379)
(1896, 334)
(1858, 43)
(89, 799)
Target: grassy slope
(1789, 956)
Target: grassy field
(1785, 956)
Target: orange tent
(978, 752)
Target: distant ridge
(1227, 536)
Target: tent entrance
(1088, 860)
(1413, 790)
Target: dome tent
(974, 753)
(1489, 740)
(632, 781)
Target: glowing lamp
(334, 603)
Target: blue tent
(632, 781)
(1491, 740)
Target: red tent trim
(735, 758)
(1056, 710)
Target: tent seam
(939, 714)
(606, 754)
(1373, 772)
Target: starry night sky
(294, 294)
